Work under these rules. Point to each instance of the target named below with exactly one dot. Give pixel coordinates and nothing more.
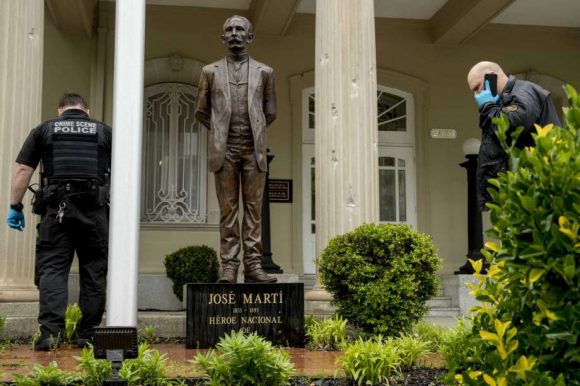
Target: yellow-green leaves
(535, 216)
(490, 336)
(503, 341)
(543, 131)
(522, 366)
(500, 381)
(492, 246)
(536, 274)
(567, 228)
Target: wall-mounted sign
(280, 190)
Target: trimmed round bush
(380, 276)
(193, 264)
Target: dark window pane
(312, 194)
(391, 112)
(311, 109)
(402, 197)
(386, 161)
(387, 195)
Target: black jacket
(525, 104)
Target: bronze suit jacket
(213, 108)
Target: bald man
(524, 103)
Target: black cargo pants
(84, 229)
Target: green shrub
(380, 276)
(245, 360)
(148, 369)
(327, 334)
(49, 375)
(530, 313)
(459, 347)
(410, 349)
(431, 333)
(3, 342)
(93, 371)
(147, 335)
(194, 264)
(72, 317)
(370, 362)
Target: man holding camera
(73, 203)
(524, 103)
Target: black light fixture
(116, 344)
(267, 263)
(474, 221)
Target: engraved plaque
(274, 311)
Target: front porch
(160, 309)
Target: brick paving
(21, 358)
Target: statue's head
(238, 33)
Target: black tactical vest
(76, 150)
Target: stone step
(171, 324)
(439, 302)
(452, 312)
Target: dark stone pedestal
(274, 311)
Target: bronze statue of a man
(236, 100)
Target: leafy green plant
(49, 375)
(431, 333)
(411, 349)
(4, 344)
(193, 264)
(328, 333)
(93, 371)
(380, 276)
(148, 335)
(245, 360)
(34, 338)
(459, 347)
(370, 362)
(72, 317)
(528, 319)
(148, 369)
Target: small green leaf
(528, 203)
(569, 267)
(536, 274)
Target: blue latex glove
(484, 97)
(15, 219)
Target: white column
(346, 120)
(126, 166)
(21, 45)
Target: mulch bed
(422, 376)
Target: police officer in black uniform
(73, 203)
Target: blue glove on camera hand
(15, 219)
(484, 97)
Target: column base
(317, 302)
(18, 295)
(21, 319)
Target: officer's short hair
(72, 99)
(249, 26)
